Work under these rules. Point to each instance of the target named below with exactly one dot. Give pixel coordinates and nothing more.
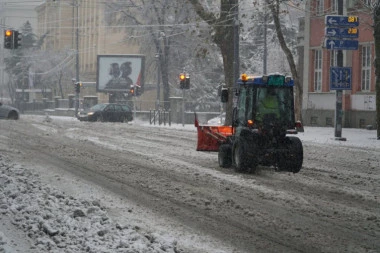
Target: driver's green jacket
(269, 105)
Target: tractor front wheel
(240, 155)
(224, 156)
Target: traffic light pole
(183, 107)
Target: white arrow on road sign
(331, 21)
(340, 78)
(332, 44)
(331, 32)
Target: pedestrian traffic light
(16, 39)
(8, 39)
(77, 87)
(182, 78)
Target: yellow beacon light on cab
(244, 77)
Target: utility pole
(339, 93)
(76, 5)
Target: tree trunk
(223, 38)
(275, 9)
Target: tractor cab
(265, 103)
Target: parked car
(9, 112)
(107, 112)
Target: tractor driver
(268, 107)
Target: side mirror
(224, 95)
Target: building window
(318, 70)
(319, 7)
(334, 6)
(333, 58)
(366, 67)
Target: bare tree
(51, 69)
(275, 8)
(162, 28)
(222, 25)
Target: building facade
(79, 26)
(319, 101)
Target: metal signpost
(340, 33)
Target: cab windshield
(261, 104)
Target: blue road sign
(338, 20)
(340, 78)
(336, 32)
(332, 44)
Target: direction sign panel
(341, 44)
(351, 32)
(340, 78)
(339, 20)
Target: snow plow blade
(210, 137)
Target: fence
(65, 107)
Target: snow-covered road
(70, 186)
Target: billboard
(119, 72)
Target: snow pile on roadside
(55, 222)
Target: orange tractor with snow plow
(263, 121)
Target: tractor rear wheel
(293, 159)
(224, 156)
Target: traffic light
(138, 90)
(77, 87)
(182, 79)
(8, 39)
(132, 91)
(16, 39)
